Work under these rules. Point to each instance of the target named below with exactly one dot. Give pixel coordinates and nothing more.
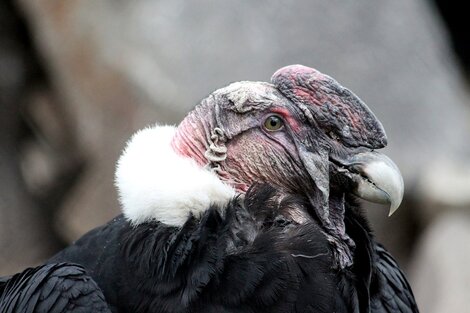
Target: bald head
(294, 134)
(331, 106)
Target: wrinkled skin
(324, 126)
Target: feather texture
(156, 183)
(52, 288)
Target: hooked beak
(375, 178)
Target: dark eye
(273, 123)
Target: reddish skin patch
(186, 145)
(306, 96)
(302, 82)
(294, 125)
(355, 119)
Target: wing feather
(391, 292)
(57, 287)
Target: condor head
(303, 133)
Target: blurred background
(77, 78)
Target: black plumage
(250, 258)
(247, 257)
(54, 288)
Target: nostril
(357, 168)
(333, 135)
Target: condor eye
(273, 123)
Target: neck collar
(155, 183)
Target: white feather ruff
(156, 183)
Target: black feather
(381, 284)
(58, 287)
(245, 257)
(391, 291)
(232, 259)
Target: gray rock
(440, 268)
(24, 237)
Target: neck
(198, 138)
(190, 139)
(335, 230)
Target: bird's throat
(190, 140)
(343, 245)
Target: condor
(249, 205)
